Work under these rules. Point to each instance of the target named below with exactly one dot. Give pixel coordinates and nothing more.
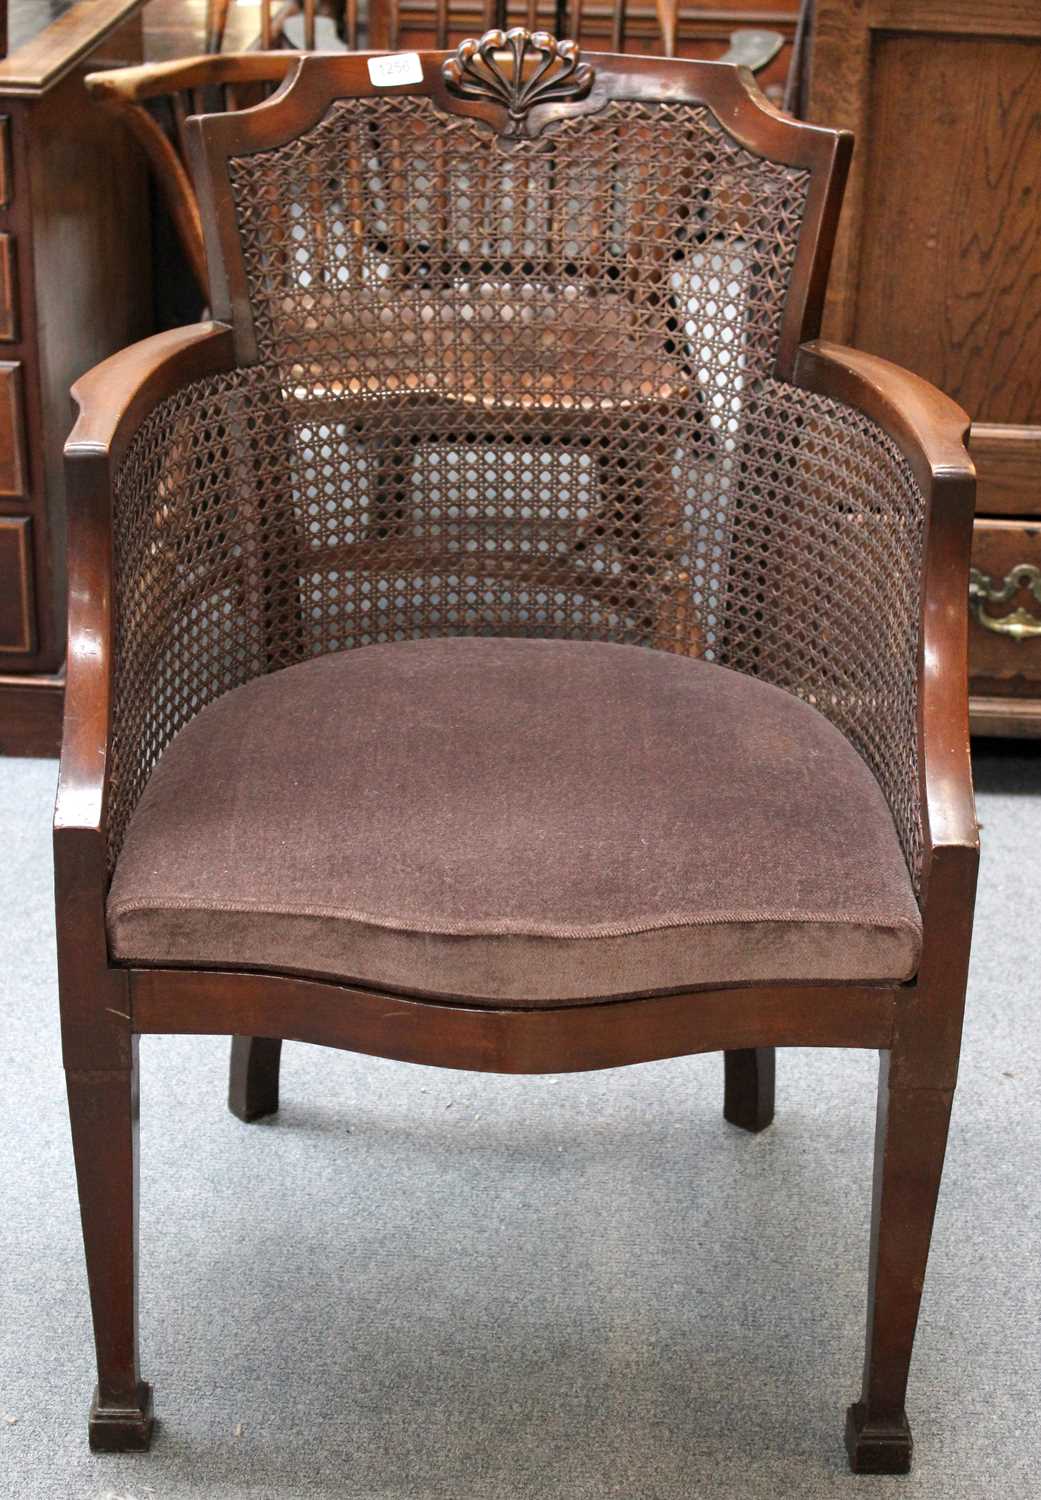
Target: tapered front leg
(253, 1077)
(103, 1111)
(748, 1091)
(910, 1142)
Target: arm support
(113, 399)
(930, 431)
(927, 426)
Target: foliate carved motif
(518, 69)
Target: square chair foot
(875, 1448)
(122, 1429)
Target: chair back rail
(663, 28)
(155, 100)
(817, 157)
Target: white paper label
(399, 67)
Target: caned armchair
(507, 638)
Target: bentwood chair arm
(116, 395)
(152, 80)
(927, 426)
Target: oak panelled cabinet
(938, 267)
(74, 286)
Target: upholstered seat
(519, 822)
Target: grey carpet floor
(418, 1283)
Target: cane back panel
(516, 387)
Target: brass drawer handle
(1020, 624)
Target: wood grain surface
(950, 264)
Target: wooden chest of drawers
(74, 286)
(1005, 596)
(938, 267)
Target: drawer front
(17, 633)
(1008, 469)
(5, 160)
(1005, 608)
(8, 292)
(12, 431)
(8, 286)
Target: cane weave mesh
(516, 391)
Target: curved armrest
(113, 399)
(930, 430)
(115, 396)
(927, 426)
(153, 80)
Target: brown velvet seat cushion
(519, 822)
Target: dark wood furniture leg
(103, 1111)
(253, 1077)
(910, 1142)
(216, 22)
(748, 1089)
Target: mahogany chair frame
(915, 1026)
